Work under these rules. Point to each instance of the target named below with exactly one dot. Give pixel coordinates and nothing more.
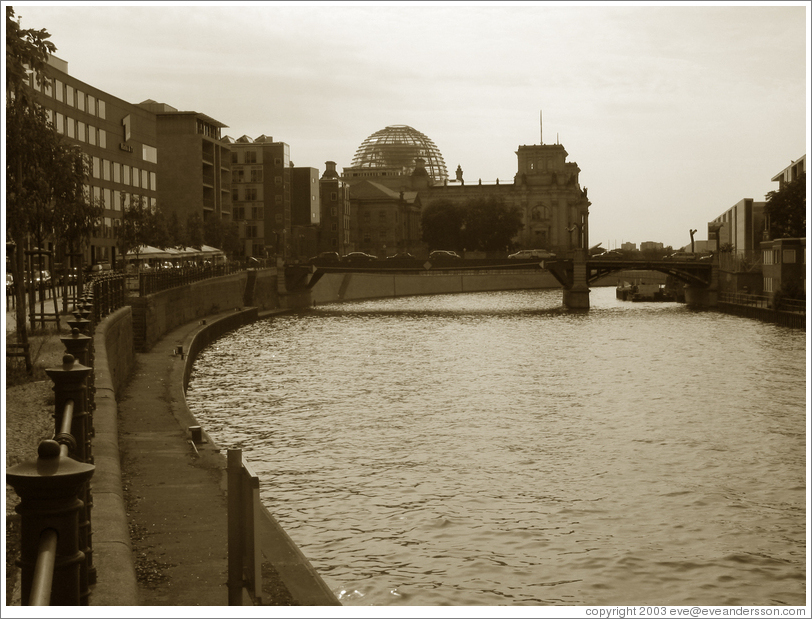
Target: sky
(673, 113)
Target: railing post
(235, 520)
(49, 489)
(70, 384)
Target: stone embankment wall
(333, 287)
(159, 313)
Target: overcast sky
(673, 113)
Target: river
(498, 449)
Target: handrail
(44, 570)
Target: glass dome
(398, 146)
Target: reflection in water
(497, 449)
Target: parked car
(541, 254)
(359, 256)
(326, 257)
(444, 254)
(9, 283)
(404, 255)
(99, 267)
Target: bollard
(49, 489)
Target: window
(70, 125)
(153, 181)
(81, 132)
(257, 212)
(768, 284)
(256, 175)
(102, 109)
(59, 89)
(250, 156)
(116, 205)
(334, 227)
(80, 100)
(144, 179)
(250, 231)
(60, 123)
(116, 172)
(97, 194)
(235, 194)
(333, 196)
(108, 203)
(136, 177)
(96, 167)
(70, 100)
(126, 175)
(250, 193)
(149, 153)
(277, 162)
(102, 138)
(334, 212)
(788, 256)
(278, 200)
(91, 135)
(234, 157)
(278, 180)
(91, 105)
(239, 212)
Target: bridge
(575, 273)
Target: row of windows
(381, 216)
(777, 256)
(65, 93)
(78, 130)
(115, 200)
(107, 170)
(368, 236)
(238, 176)
(255, 212)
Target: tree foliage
(194, 230)
(786, 210)
(484, 224)
(137, 227)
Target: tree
(786, 210)
(484, 224)
(175, 231)
(137, 227)
(490, 224)
(194, 230)
(26, 128)
(442, 222)
(75, 215)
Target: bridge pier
(700, 298)
(577, 295)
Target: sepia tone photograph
(353, 308)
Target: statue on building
(459, 174)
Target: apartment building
(261, 195)
(195, 164)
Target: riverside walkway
(175, 495)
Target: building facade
(741, 227)
(195, 164)
(261, 195)
(545, 189)
(120, 140)
(335, 229)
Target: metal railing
(56, 556)
(165, 279)
(764, 301)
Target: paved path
(174, 497)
